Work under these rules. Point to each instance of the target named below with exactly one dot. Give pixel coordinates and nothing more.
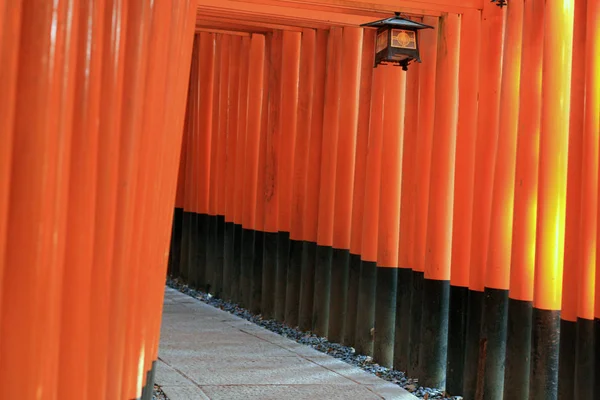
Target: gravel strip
(321, 344)
(158, 394)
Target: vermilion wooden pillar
(299, 180)
(352, 39)
(490, 74)
(470, 49)
(427, 78)
(556, 77)
(434, 329)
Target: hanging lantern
(500, 3)
(397, 41)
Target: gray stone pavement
(206, 353)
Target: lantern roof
(397, 22)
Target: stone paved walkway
(206, 353)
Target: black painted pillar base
(402, 335)
(340, 265)
(268, 275)
(219, 254)
(283, 259)
(385, 316)
(186, 226)
(148, 388)
(227, 259)
(416, 303)
(307, 285)
(256, 273)
(584, 360)
(211, 254)
(237, 263)
(204, 279)
(597, 357)
(365, 315)
(246, 266)
(322, 290)
(457, 332)
(352, 302)
(495, 316)
(292, 297)
(566, 363)
(518, 350)
(434, 333)
(194, 255)
(475, 309)
(175, 249)
(544, 355)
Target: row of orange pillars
(92, 107)
(442, 220)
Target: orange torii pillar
(497, 271)
(490, 75)
(556, 78)
(362, 141)
(234, 165)
(313, 180)
(271, 185)
(435, 309)
(219, 119)
(518, 342)
(242, 179)
(205, 124)
(259, 236)
(324, 252)
(411, 119)
(470, 40)
(574, 218)
(365, 316)
(586, 379)
(304, 120)
(389, 214)
(352, 39)
(219, 151)
(290, 74)
(427, 77)
(251, 233)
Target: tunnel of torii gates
(442, 219)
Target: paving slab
(207, 353)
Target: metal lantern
(397, 41)
(500, 3)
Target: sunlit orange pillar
(497, 270)
(254, 120)
(327, 190)
(313, 180)
(352, 39)
(490, 74)
(106, 201)
(407, 221)
(290, 73)
(470, 41)
(516, 380)
(389, 214)
(574, 211)
(427, 78)
(271, 185)
(360, 171)
(220, 99)
(306, 89)
(556, 78)
(586, 354)
(434, 329)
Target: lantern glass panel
(404, 39)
